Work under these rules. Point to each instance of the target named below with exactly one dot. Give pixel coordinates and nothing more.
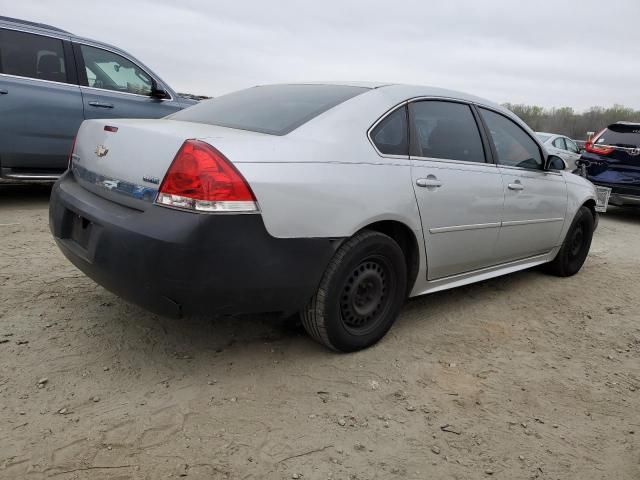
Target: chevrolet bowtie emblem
(101, 151)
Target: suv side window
(110, 71)
(446, 130)
(571, 145)
(559, 143)
(32, 56)
(391, 135)
(514, 147)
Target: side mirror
(556, 163)
(158, 92)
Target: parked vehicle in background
(562, 146)
(334, 200)
(52, 80)
(612, 159)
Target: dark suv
(51, 80)
(612, 160)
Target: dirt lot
(526, 376)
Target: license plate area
(81, 230)
(602, 201)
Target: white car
(337, 201)
(561, 146)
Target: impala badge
(635, 151)
(101, 151)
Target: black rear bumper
(180, 263)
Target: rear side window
(514, 147)
(32, 56)
(447, 130)
(272, 109)
(391, 135)
(571, 145)
(559, 143)
(620, 135)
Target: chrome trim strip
(457, 162)
(129, 189)
(462, 228)
(31, 176)
(19, 77)
(531, 222)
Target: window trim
(488, 154)
(82, 74)
(494, 152)
(69, 64)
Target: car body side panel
(331, 199)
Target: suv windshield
(620, 135)
(272, 109)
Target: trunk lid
(125, 160)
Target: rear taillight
(202, 179)
(592, 147)
(73, 149)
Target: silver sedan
(334, 201)
(561, 146)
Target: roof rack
(32, 24)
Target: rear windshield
(273, 109)
(543, 137)
(620, 136)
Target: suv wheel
(576, 245)
(360, 294)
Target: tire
(360, 294)
(575, 248)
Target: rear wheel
(576, 245)
(360, 294)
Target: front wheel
(360, 294)
(575, 248)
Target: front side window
(559, 143)
(514, 147)
(446, 130)
(391, 135)
(32, 56)
(110, 71)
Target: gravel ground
(522, 377)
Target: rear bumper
(180, 263)
(621, 194)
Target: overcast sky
(575, 53)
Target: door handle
(516, 185)
(429, 182)
(101, 105)
(3, 91)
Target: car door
(113, 86)
(458, 190)
(40, 103)
(572, 153)
(535, 200)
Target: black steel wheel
(360, 295)
(575, 248)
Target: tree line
(567, 121)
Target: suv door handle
(516, 185)
(101, 105)
(430, 181)
(3, 91)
